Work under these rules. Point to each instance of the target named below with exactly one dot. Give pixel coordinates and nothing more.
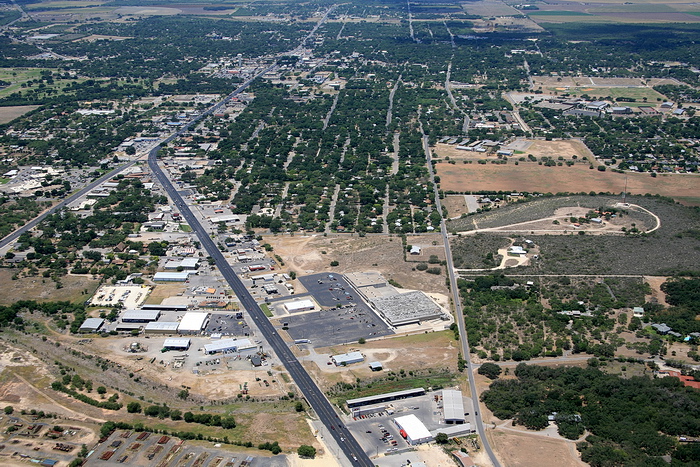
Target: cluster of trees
(110, 404)
(163, 411)
(630, 421)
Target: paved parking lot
(336, 326)
(226, 324)
(331, 290)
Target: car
(368, 431)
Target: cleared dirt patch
(305, 255)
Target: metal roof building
(176, 344)
(407, 308)
(140, 316)
(189, 263)
(413, 430)
(453, 406)
(192, 322)
(348, 358)
(389, 396)
(172, 276)
(164, 327)
(91, 325)
(453, 430)
(165, 307)
(228, 345)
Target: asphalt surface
(458, 315)
(31, 224)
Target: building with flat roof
(407, 308)
(413, 430)
(165, 307)
(453, 430)
(91, 325)
(386, 397)
(176, 344)
(300, 305)
(453, 406)
(172, 276)
(164, 327)
(140, 316)
(228, 345)
(347, 358)
(189, 263)
(193, 322)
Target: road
(314, 396)
(31, 224)
(458, 312)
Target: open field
(44, 289)
(638, 93)
(313, 254)
(7, 114)
(530, 177)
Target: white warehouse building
(413, 430)
(193, 322)
(300, 305)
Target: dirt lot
(7, 114)
(43, 289)
(531, 177)
(305, 255)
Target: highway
(458, 312)
(308, 387)
(31, 224)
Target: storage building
(165, 327)
(91, 325)
(386, 397)
(172, 276)
(192, 322)
(453, 406)
(140, 316)
(413, 430)
(189, 263)
(176, 344)
(228, 345)
(347, 358)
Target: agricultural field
(528, 176)
(7, 114)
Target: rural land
(315, 233)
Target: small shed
(91, 325)
(376, 366)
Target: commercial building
(172, 276)
(165, 327)
(165, 307)
(407, 308)
(140, 316)
(387, 397)
(453, 406)
(299, 305)
(176, 344)
(228, 345)
(413, 430)
(453, 430)
(192, 322)
(91, 325)
(347, 358)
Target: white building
(413, 430)
(172, 276)
(300, 305)
(347, 358)
(453, 406)
(192, 322)
(176, 344)
(228, 345)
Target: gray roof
(91, 324)
(453, 405)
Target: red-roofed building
(688, 381)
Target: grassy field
(670, 249)
(637, 93)
(43, 289)
(7, 114)
(531, 177)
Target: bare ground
(44, 289)
(305, 255)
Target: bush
(422, 267)
(436, 271)
(334, 263)
(133, 407)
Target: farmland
(531, 177)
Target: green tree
(490, 370)
(441, 438)
(9, 410)
(306, 451)
(133, 407)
